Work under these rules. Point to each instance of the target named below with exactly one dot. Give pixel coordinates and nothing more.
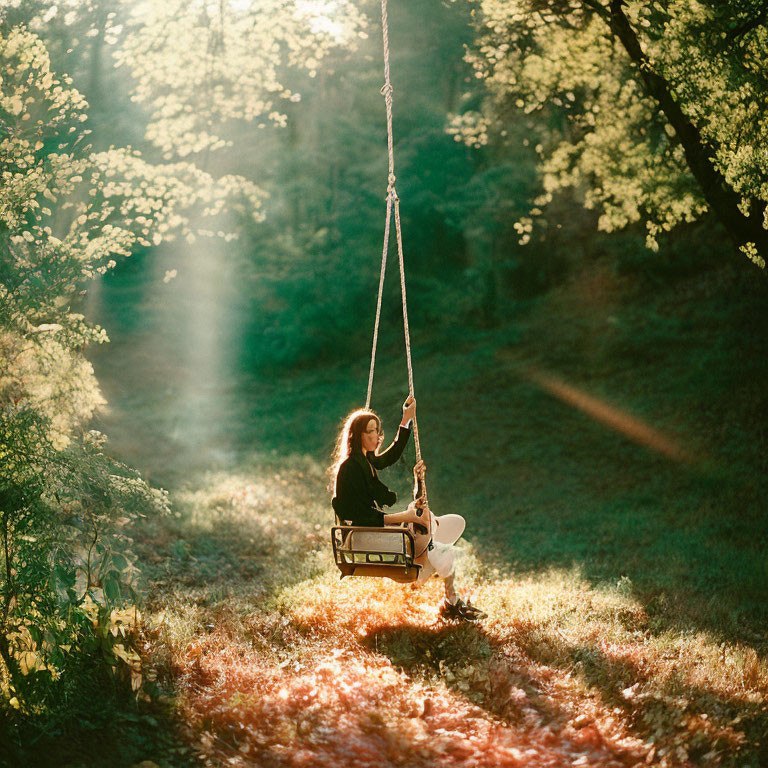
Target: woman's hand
(414, 511)
(409, 409)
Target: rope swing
(393, 204)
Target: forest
(194, 196)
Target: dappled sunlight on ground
(363, 606)
(275, 661)
(332, 700)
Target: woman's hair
(349, 440)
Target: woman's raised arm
(394, 451)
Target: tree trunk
(723, 201)
(11, 665)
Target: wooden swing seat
(372, 551)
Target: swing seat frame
(393, 559)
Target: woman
(359, 497)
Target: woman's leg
(440, 558)
(450, 588)
(422, 559)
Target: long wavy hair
(349, 440)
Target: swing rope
(393, 204)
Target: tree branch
(11, 664)
(721, 198)
(598, 8)
(749, 25)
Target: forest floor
(275, 662)
(606, 453)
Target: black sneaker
(460, 611)
(469, 609)
(450, 611)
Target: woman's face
(371, 436)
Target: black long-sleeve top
(359, 492)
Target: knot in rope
(391, 191)
(387, 90)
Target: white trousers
(446, 531)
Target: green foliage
(68, 213)
(66, 560)
(66, 508)
(312, 268)
(200, 66)
(604, 115)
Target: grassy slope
(624, 587)
(544, 484)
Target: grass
(624, 585)
(294, 667)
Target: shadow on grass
(235, 541)
(331, 702)
(246, 529)
(700, 720)
(563, 490)
(518, 682)
(678, 543)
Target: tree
(65, 506)
(652, 109)
(67, 213)
(203, 67)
